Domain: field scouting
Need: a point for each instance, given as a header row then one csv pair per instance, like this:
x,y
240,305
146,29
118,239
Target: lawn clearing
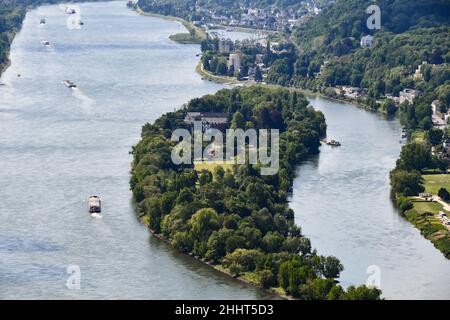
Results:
x,y
433,182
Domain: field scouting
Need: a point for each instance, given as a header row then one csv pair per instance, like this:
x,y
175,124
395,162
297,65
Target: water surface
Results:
x,y
58,146
342,202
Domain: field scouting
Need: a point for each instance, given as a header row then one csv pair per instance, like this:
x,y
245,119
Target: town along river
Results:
x,y
59,145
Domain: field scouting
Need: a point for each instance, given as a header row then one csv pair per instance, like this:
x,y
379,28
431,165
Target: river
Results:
x,y
342,202
58,146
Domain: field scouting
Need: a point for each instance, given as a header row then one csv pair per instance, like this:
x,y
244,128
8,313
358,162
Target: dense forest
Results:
x,y
235,218
411,32
11,16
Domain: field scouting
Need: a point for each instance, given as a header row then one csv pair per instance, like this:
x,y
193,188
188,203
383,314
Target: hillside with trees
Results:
x,y
235,218
11,16
411,32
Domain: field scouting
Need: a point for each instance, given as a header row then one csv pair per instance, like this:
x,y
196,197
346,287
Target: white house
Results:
x,y
235,61
408,95
367,41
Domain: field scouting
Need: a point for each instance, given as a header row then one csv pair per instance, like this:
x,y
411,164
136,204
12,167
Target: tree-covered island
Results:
x,y
233,217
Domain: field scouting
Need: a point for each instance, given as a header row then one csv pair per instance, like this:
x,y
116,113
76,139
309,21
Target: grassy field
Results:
x,y
423,216
433,182
418,136
220,79
196,35
211,166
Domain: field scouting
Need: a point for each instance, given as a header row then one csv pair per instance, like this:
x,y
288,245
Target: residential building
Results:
x,y
367,41
408,95
235,61
209,120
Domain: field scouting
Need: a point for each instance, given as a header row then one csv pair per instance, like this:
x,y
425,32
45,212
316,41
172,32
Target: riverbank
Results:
x,y
7,63
425,213
277,293
195,36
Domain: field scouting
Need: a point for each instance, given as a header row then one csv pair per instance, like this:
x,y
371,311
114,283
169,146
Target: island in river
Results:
x,y
234,217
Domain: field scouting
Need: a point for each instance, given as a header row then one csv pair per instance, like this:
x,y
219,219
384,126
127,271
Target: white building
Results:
x,y
408,95
235,61
367,41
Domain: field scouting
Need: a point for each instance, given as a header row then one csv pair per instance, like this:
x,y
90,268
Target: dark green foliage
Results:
x,y
434,136
414,156
404,204
362,293
444,194
406,183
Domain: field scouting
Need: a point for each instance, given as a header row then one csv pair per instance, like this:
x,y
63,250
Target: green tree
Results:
x,y
263,220
272,241
406,183
434,136
362,293
238,121
205,177
317,289
444,194
328,267
414,156
247,259
182,241
389,106
203,223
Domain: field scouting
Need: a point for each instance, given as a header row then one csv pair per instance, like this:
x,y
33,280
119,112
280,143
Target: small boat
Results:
x,y
95,204
42,21
69,84
334,143
45,43
70,10
79,22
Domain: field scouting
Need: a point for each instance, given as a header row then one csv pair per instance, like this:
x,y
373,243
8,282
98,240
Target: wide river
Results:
x,y
58,146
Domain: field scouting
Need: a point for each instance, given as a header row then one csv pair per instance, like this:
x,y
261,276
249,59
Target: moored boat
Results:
x,y
334,143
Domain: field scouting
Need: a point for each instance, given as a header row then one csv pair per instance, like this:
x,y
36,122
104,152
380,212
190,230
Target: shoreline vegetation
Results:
x,y
234,81
195,35
208,213
144,220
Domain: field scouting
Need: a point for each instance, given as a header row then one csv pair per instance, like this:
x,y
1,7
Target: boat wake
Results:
x,y
86,102
96,216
